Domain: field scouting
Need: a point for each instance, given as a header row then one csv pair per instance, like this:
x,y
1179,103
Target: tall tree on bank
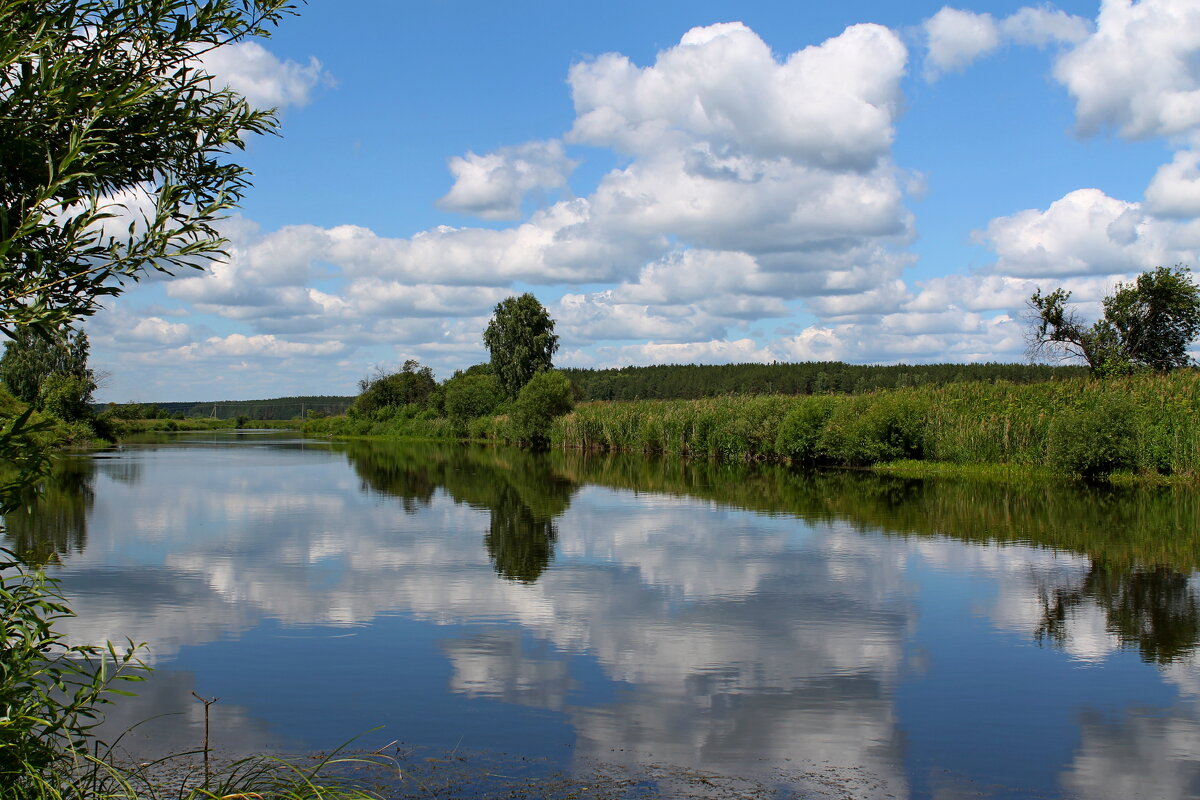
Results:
x,y
521,340
1147,324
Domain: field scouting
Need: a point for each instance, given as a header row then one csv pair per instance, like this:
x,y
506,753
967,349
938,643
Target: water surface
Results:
x,y
816,633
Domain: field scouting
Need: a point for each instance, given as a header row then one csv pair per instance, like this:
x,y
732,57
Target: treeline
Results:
x,y
693,381
275,408
661,382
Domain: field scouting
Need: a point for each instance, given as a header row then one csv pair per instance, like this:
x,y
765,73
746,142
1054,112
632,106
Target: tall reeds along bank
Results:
x,y
1147,424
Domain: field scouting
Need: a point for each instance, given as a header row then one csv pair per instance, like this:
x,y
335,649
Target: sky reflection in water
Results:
x,y
916,639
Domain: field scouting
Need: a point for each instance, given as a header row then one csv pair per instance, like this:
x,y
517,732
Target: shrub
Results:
x,y
547,395
880,427
472,395
800,431
1095,440
66,396
413,384
51,691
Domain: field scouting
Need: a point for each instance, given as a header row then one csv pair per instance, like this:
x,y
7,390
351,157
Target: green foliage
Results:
x,y
1147,324
32,361
67,397
136,411
115,161
873,428
1095,440
386,392
546,396
959,423
116,146
1156,317
520,338
50,691
799,438
472,395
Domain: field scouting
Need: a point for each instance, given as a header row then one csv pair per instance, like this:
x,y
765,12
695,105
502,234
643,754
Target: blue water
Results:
x,y
494,602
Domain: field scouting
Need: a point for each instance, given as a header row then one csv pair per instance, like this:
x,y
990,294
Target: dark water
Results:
x,y
826,635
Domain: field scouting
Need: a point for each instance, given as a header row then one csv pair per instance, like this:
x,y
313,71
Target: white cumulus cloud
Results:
x,y
261,77
831,104
1086,232
493,185
1140,71
1175,189
955,38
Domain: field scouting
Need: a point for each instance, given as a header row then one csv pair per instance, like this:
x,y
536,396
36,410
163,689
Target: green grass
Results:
x,y
91,777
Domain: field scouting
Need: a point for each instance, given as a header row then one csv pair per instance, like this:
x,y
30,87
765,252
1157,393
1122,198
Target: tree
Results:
x,y
412,385
36,367
1147,324
521,340
115,145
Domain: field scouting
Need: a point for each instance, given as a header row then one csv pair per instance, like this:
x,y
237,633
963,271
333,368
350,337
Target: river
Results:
x,y
681,629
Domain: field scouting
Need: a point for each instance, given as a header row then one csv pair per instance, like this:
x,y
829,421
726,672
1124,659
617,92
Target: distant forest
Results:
x,y
665,382
276,408
691,381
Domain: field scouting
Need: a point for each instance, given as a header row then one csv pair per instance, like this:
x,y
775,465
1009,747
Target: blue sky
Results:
x,y
874,182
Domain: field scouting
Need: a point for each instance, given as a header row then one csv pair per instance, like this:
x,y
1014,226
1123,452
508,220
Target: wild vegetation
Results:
x,y
693,381
276,408
1143,424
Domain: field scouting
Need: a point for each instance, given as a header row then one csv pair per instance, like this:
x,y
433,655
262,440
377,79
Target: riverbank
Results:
x,y
1138,429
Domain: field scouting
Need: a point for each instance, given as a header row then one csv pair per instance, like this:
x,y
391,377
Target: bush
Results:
x,y
67,397
874,428
1096,440
412,385
472,395
800,432
547,395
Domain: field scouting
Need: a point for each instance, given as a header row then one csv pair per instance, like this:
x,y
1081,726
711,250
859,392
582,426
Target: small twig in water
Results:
x,y
207,703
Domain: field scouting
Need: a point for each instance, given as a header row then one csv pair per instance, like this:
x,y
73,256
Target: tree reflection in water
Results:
x,y
519,543
1152,608
521,491
56,523
1143,544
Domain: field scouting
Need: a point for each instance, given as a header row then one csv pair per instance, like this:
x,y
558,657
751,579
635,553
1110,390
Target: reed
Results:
x,y
1146,424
